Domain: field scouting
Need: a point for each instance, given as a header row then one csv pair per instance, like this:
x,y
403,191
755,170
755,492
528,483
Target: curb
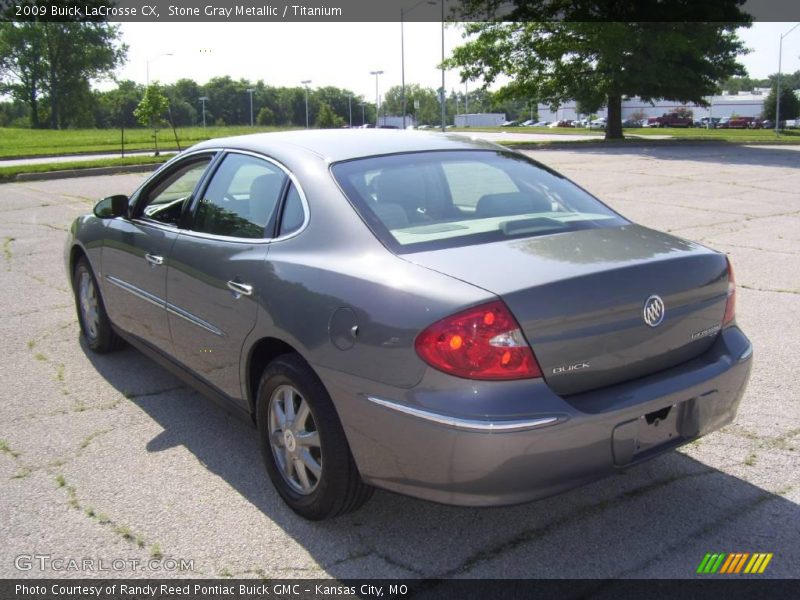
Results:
x,y
88,172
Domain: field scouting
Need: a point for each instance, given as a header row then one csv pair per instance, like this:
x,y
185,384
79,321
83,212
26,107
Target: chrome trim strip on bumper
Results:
x,y
139,293
468,424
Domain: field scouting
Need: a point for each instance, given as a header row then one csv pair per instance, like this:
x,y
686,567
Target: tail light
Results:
x,y
730,306
483,342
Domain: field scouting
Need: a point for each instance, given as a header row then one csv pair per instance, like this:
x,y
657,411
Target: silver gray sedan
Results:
x,y
435,316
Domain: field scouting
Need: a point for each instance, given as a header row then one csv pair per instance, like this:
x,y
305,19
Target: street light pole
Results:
x,y
377,97
778,86
305,84
443,96
203,99
403,67
363,118
250,91
350,108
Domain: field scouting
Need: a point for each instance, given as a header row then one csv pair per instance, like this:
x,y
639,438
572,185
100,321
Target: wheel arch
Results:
x,y
261,353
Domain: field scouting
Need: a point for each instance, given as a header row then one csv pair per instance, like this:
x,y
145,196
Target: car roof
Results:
x,y
335,145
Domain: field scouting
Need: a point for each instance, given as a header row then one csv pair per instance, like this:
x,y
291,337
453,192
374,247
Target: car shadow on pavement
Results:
x,y
655,521
781,156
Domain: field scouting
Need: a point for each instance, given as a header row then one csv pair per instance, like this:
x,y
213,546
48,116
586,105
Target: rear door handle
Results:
x,y
154,260
240,289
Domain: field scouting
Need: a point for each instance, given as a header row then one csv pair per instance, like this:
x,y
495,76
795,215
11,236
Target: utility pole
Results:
x,y
377,97
305,83
250,91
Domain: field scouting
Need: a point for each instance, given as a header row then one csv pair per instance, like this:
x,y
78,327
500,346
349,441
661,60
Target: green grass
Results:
x,y
45,142
735,136
9,173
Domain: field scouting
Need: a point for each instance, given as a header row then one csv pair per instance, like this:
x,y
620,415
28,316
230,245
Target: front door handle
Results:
x,y
240,289
154,260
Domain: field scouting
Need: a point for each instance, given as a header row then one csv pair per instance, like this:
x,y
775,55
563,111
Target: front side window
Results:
x,y
165,201
430,200
241,199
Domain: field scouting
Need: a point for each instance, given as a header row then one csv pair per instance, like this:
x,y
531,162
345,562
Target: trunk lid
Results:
x,y
580,299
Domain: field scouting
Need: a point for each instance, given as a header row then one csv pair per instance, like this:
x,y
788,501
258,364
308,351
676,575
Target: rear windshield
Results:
x,y
430,200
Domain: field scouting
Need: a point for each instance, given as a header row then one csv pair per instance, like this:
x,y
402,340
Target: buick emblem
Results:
x,y
653,311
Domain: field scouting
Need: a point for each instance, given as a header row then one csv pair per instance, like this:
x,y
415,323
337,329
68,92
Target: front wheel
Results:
x,y
94,322
303,444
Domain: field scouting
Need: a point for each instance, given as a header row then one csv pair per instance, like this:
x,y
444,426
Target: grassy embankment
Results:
x,y
19,143
731,136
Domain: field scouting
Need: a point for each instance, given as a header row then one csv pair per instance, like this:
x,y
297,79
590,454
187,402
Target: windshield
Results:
x,y
430,200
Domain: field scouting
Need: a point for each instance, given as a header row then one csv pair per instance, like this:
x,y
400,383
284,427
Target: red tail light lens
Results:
x,y
484,342
730,307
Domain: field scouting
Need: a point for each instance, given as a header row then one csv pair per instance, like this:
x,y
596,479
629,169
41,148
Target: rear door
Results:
x,y
137,248
217,271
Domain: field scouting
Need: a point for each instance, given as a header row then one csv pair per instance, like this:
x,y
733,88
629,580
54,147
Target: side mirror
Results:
x,y
111,207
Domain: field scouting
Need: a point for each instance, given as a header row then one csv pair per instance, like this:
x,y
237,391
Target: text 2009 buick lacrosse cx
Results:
x,y
435,316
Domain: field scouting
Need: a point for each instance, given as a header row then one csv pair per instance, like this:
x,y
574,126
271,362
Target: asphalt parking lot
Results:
x,y
113,458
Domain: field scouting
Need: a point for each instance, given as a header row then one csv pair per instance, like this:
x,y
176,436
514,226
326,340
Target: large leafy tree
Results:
x,y
598,51
55,62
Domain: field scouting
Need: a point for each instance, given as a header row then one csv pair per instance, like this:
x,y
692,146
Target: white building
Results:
x,y
480,120
743,104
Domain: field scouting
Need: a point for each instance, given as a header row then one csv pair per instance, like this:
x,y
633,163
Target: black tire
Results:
x,y
95,324
338,489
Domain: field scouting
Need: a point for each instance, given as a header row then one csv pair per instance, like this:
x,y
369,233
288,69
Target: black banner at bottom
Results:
x,y
391,589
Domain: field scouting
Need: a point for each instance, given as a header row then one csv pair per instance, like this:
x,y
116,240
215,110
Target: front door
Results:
x,y
137,249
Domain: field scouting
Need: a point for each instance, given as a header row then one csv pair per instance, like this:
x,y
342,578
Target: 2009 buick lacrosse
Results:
x,y
436,316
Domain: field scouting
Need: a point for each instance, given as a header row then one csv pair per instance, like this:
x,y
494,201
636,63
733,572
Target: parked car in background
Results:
x,y
632,123
707,122
598,123
742,123
425,313
723,123
670,120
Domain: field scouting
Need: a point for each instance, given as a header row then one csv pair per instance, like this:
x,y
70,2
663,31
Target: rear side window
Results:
x,y
293,214
241,199
430,200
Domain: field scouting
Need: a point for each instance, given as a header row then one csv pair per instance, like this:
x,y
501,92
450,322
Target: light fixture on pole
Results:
x,y
153,59
204,99
250,91
377,97
778,86
305,83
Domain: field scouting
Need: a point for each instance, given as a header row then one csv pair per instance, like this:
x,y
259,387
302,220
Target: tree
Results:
x,y
22,72
597,63
150,111
57,61
790,104
326,118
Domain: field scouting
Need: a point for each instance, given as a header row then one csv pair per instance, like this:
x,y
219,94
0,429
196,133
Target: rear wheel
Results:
x,y
303,444
94,322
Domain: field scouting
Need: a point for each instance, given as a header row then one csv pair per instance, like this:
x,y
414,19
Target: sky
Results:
x,y
343,54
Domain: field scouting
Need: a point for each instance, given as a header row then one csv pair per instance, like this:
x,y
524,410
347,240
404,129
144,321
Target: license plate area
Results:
x,y
648,434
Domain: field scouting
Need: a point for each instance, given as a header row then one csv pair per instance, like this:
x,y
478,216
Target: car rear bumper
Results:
x,y
535,443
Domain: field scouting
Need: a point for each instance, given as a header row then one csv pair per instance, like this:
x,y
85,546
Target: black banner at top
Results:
x,y
239,11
